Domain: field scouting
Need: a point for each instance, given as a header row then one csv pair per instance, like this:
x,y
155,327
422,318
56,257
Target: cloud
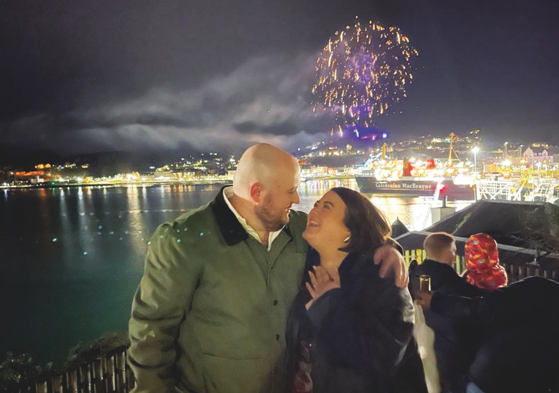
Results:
x,y
265,99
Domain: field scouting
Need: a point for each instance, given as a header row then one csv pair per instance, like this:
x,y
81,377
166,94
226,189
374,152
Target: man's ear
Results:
x,y
257,192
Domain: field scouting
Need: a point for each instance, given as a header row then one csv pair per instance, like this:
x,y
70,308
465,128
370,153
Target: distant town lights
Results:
x,y
475,150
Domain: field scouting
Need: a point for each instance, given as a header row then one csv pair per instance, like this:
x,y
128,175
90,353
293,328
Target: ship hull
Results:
x,y
414,188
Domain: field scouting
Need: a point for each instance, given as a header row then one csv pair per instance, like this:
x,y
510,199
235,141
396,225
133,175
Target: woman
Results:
x,y
350,330
482,263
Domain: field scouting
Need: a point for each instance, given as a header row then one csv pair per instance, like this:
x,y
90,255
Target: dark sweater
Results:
x,y
456,341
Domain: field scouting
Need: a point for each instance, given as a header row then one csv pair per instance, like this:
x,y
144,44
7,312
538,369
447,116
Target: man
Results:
x,y
455,342
211,311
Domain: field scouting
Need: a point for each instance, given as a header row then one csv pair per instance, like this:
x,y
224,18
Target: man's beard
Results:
x,y
272,222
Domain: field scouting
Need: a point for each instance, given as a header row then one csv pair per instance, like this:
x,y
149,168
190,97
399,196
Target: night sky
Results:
x,y
83,76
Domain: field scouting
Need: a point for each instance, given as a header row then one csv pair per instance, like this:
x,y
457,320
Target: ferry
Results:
x,y
427,179
415,187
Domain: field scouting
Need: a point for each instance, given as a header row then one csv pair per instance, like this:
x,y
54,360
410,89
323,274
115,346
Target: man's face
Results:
x,y
274,211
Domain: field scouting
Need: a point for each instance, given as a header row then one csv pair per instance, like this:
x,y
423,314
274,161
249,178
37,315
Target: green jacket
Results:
x,y
210,313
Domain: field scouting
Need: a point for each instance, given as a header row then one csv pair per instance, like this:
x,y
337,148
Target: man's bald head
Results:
x,y
264,164
265,186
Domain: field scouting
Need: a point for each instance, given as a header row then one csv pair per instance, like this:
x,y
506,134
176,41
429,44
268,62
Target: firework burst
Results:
x,y
362,72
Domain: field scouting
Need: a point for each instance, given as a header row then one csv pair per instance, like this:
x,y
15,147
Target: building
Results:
x,y
540,154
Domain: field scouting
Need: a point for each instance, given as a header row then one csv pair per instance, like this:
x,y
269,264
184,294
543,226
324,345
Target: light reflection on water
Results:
x,y
71,258
415,213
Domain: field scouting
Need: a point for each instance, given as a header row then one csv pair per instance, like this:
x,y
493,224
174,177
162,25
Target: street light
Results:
x,y
475,150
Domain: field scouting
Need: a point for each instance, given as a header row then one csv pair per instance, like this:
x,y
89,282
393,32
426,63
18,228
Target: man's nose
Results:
x,y
296,198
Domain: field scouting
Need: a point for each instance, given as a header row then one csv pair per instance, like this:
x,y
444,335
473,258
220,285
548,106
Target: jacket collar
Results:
x,y
433,265
351,261
355,259
230,227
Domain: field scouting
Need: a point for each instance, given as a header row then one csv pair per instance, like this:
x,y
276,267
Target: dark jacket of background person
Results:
x,y
456,341
520,348
361,333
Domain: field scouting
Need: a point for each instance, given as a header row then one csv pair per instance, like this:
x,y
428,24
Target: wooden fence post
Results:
x,y
521,272
41,387
85,378
120,369
110,374
419,255
58,384
98,377
72,379
513,272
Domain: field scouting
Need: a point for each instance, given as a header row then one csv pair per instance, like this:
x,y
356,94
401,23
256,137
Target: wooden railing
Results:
x,y
515,271
107,374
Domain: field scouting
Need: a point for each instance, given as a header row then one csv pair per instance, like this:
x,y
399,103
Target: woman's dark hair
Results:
x,y
367,224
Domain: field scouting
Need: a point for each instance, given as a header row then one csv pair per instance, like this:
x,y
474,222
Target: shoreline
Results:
x,y
114,185
152,184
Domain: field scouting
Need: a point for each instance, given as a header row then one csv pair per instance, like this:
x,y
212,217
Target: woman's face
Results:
x,y
325,223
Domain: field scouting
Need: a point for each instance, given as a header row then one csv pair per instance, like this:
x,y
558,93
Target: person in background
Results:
x,y
482,263
456,341
519,352
349,329
210,313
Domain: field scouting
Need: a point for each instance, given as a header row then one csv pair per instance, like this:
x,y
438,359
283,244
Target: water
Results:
x,y
71,258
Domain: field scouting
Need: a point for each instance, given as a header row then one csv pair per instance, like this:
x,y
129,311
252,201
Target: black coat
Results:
x,y
520,348
361,333
456,341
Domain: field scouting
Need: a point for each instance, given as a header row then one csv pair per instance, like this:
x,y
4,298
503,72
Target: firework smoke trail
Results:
x,y
361,73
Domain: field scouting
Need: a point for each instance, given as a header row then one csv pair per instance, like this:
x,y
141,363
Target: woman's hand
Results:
x,y
322,280
424,298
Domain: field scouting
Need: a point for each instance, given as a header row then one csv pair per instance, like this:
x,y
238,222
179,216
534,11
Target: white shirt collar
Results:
x,y
228,193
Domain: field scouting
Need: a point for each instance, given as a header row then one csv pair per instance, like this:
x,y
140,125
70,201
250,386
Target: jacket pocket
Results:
x,y
226,375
